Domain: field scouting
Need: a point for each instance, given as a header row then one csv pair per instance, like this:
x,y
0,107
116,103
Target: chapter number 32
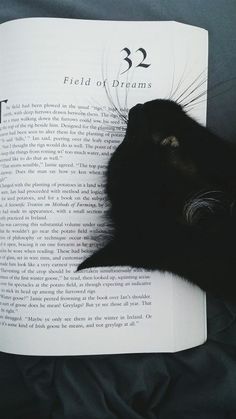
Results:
x,y
129,61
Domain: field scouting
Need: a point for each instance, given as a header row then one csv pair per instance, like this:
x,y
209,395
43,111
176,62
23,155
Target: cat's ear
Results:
x,y
109,255
169,141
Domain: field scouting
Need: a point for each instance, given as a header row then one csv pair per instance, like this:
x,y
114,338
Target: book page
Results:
x,y
63,95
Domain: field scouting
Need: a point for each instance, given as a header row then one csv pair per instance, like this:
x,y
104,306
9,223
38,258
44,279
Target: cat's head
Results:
x,y
170,165
168,170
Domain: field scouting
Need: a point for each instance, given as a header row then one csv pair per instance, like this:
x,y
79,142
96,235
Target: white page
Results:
x,y
53,144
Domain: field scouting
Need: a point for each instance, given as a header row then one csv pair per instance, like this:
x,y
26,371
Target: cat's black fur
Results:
x,y
172,188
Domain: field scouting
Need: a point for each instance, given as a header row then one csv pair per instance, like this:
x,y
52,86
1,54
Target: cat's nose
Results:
x,y
137,128
136,111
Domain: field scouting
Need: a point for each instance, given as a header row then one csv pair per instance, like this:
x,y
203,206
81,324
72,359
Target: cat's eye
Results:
x,y
170,141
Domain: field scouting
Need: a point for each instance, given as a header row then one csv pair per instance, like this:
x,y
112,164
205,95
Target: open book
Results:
x,y
63,85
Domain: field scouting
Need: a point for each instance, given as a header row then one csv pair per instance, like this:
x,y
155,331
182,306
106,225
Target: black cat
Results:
x,y
172,188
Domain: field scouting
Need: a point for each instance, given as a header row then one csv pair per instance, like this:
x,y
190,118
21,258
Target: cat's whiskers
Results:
x,y
172,93
200,203
197,79
195,101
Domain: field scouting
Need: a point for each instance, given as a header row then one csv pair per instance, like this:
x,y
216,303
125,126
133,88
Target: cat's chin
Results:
x,y
110,255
